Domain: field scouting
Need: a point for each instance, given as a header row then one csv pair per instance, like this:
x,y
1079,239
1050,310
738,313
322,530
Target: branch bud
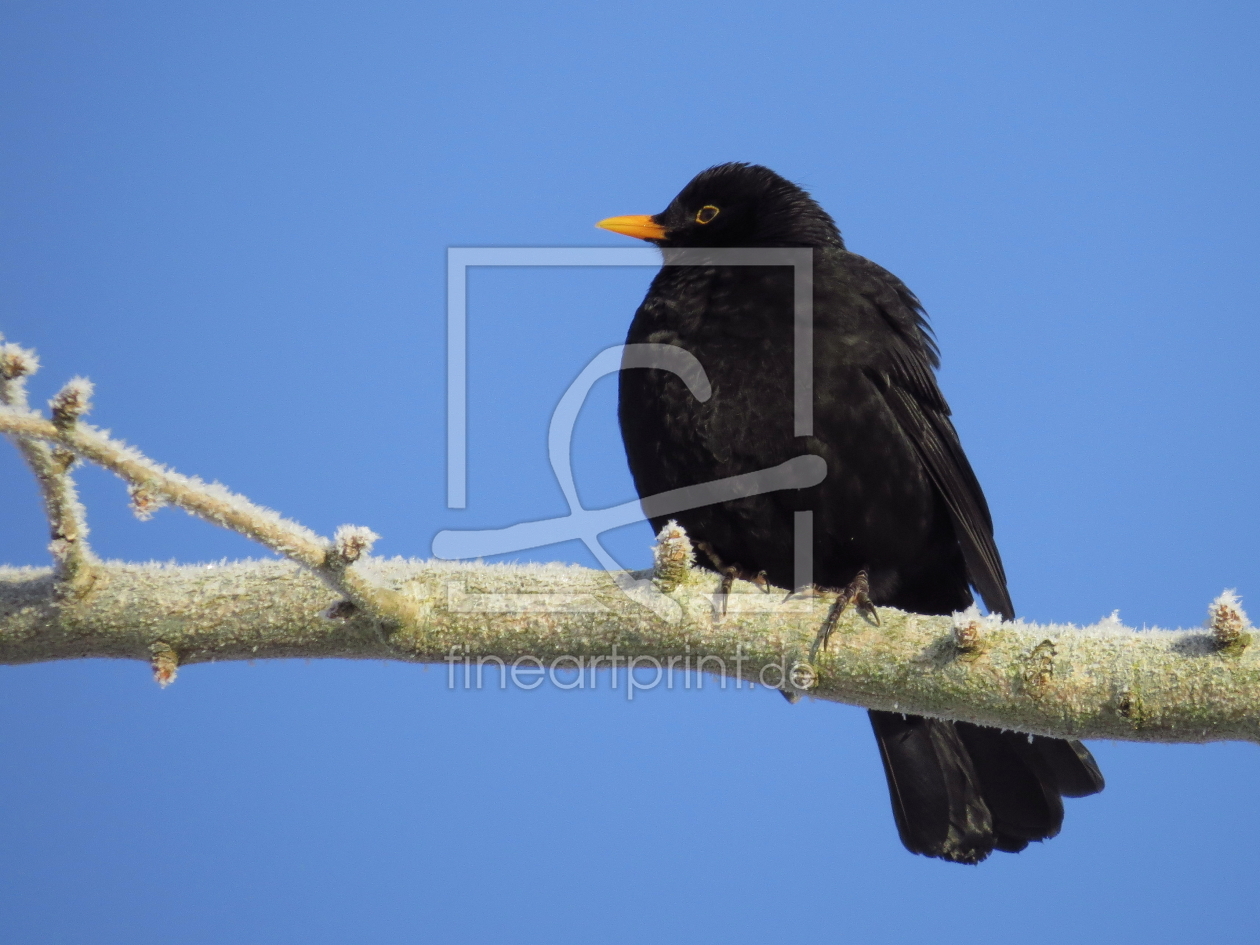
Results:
x,y
353,541
17,362
165,663
672,557
71,402
969,631
1228,623
144,502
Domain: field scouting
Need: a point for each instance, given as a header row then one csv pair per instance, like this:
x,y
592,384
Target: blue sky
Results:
x,y
234,218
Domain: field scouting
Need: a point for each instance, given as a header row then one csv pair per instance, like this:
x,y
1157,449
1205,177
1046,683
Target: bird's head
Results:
x,y
735,205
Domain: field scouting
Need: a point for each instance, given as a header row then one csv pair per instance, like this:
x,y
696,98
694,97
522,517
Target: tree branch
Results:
x,y
51,467
333,599
1104,681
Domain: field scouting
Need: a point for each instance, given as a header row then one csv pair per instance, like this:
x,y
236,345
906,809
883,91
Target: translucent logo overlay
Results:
x,y
587,525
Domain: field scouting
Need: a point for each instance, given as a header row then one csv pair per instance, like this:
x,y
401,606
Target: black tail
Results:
x,y
960,791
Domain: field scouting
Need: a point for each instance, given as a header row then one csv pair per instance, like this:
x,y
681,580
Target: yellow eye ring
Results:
x,y
707,213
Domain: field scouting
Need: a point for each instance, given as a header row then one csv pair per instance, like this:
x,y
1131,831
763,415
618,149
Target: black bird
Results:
x,y
899,520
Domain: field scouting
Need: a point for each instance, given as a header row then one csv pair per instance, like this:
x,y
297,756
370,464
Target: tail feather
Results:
x,y
1075,770
935,797
960,791
1016,784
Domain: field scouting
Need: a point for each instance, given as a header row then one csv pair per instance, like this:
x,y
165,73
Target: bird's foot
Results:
x,y
724,591
858,594
761,582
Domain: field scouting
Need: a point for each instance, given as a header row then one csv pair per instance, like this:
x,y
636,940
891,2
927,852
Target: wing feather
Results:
x,y
905,376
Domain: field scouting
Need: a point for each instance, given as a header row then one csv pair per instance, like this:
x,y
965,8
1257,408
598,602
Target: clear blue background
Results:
x,y
234,217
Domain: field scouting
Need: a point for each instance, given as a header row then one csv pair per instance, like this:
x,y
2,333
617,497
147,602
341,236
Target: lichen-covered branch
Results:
x,y
333,599
1104,681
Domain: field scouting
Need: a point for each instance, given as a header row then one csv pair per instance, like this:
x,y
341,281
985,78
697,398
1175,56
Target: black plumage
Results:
x,y
899,501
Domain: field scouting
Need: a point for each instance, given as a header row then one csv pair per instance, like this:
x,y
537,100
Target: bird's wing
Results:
x,y
904,374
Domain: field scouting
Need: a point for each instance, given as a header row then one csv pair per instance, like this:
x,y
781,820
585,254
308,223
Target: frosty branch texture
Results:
x,y
332,598
51,467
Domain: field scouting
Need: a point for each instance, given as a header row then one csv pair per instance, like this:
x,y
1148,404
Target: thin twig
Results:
x,y
215,503
67,519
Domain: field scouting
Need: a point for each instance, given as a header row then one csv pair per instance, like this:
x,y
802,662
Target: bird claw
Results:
x,y
858,594
761,582
724,591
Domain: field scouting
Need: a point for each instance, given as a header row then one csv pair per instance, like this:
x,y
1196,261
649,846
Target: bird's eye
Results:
x,y
707,213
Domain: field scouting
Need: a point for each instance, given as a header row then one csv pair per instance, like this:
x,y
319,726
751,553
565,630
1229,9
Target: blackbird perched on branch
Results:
x,y
899,520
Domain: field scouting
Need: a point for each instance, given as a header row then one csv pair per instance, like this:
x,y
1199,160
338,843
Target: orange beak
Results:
x,y
640,227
